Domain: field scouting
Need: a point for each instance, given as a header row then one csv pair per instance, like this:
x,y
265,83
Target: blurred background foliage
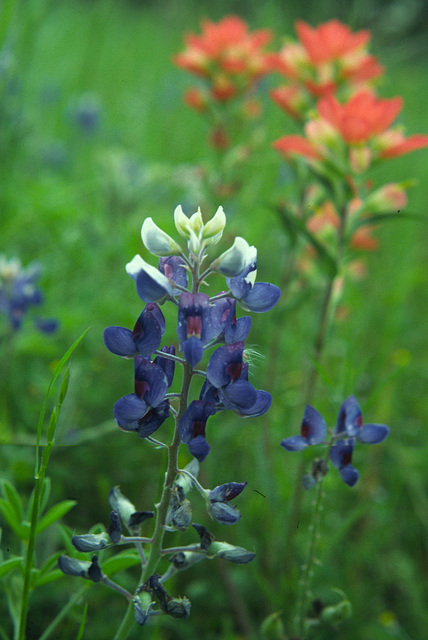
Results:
x,y
95,137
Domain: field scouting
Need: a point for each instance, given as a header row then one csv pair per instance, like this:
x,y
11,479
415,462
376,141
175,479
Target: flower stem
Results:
x,y
305,592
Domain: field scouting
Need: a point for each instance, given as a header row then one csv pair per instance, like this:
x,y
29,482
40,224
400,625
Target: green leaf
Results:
x,y
9,565
14,499
15,524
41,580
82,623
120,562
379,218
54,514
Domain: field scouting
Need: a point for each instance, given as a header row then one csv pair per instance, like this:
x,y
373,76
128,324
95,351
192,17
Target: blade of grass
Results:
x,y
39,475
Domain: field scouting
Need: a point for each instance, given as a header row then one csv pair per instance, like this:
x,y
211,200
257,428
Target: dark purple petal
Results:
x,y
149,329
224,513
239,394
167,365
193,421
199,448
151,289
119,341
226,492
261,405
193,350
373,433
241,285
314,428
194,318
349,419
150,381
209,393
349,475
341,453
48,325
294,443
219,313
128,410
173,268
241,331
262,297
225,364
153,420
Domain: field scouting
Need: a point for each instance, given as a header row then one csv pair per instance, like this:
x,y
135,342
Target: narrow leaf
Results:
x,y
54,514
13,497
9,565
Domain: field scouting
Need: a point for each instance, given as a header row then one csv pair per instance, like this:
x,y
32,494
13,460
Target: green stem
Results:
x,y
305,592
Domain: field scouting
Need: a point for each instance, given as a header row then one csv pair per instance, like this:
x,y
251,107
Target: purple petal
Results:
x,y
150,381
240,394
193,350
349,475
225,364
373,433
243,326
129,409
241,285
153,420
119,341
193,421
173,268
226,492
149,329
48,325
341,453
262,297
261,405
314,428
194,317
349,418
224,513
199,448
294,443
167,365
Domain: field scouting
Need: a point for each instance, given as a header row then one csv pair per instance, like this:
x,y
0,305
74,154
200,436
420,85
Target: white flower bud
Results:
x,y
213,230
232,262
182,222
157,241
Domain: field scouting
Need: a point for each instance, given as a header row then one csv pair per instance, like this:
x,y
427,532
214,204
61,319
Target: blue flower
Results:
x,y
145,410
152,285
313,431
143,340
192,427
341,457
227,372
258,297
219,499
194,327
226,327
350,423
19,292
173,268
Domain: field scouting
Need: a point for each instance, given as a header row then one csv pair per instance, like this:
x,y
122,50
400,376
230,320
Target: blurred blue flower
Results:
x,y
313,431
86,112
19,292
341,457
350,423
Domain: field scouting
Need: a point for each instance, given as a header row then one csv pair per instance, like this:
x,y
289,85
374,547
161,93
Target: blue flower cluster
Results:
x,y
19,292
203,322
349,428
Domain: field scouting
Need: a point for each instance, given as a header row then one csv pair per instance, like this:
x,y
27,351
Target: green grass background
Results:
x,y
65,204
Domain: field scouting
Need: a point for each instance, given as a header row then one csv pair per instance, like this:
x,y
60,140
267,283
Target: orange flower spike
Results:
x,y
293,144
362,117
330,40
